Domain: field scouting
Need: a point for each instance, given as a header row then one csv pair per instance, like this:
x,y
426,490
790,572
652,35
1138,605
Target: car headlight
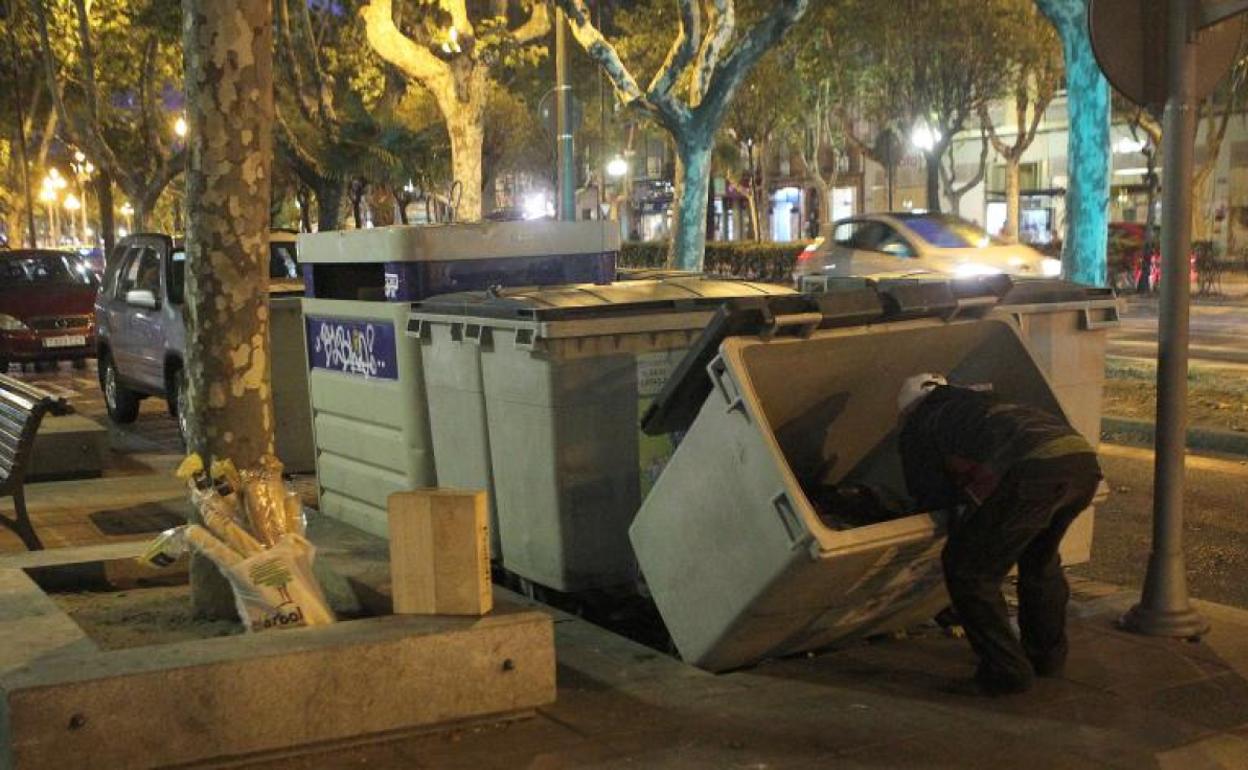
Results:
x,y
10,324
969,269
1050,267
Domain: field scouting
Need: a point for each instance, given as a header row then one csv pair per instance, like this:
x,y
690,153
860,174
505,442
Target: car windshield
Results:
x,y
24,269
947,232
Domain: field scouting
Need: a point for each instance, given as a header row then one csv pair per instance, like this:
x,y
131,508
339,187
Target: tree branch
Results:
x,y
608,58
536,28
287,54
723,25
732,70
683,47
325,97
412,59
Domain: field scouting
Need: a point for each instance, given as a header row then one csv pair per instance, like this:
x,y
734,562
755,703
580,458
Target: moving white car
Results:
x,y
906,243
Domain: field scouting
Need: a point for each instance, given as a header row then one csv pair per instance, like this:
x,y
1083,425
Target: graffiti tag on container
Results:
x,y
352,347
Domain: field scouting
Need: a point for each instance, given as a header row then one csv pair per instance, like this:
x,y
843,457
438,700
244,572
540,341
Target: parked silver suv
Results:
x,y
138,316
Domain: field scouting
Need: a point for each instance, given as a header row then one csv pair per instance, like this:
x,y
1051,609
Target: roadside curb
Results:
x,y
1209,439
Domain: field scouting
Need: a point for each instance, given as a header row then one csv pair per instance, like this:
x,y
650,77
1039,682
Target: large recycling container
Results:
x,y
369,413
1065,326
536,394
738,560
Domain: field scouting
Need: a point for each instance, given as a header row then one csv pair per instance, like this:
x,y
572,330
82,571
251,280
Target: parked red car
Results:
x,y
47,301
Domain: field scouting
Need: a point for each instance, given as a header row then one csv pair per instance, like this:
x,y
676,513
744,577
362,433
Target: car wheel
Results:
x,y
121,402
179,405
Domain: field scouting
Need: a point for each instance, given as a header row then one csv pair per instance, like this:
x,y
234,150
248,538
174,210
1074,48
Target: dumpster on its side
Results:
x,y
1065,326
536,395
369,413
739,560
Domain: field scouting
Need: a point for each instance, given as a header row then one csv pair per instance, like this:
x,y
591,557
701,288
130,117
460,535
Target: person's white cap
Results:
x,y
916,388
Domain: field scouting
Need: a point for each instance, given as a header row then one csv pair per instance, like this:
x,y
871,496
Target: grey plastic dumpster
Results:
x,y
1065,327
741,565
536,395
369,413
292,411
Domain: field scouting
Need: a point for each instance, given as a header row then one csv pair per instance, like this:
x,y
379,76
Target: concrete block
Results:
x,y
234,696
70,446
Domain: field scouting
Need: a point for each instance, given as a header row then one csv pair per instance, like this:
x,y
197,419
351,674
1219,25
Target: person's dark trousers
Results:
x,y
1021,523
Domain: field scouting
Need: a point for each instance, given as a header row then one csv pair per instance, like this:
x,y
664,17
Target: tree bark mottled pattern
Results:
x,y
229,110
1087,151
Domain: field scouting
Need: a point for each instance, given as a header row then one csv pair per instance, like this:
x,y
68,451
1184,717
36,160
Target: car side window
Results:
x,y
141,273
125,272
177,276
894,245
868,236
843,232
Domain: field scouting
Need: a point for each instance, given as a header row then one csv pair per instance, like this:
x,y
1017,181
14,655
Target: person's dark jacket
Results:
x,y
956,444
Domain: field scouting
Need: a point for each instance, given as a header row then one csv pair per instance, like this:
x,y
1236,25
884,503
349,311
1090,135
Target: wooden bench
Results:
x,y
22,408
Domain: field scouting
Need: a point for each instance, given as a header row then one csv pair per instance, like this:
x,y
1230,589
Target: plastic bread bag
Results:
x,y
264,493
276,588
273,588
171,544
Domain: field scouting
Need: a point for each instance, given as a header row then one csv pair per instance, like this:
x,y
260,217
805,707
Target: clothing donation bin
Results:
x,y
536,395
741,562
369,414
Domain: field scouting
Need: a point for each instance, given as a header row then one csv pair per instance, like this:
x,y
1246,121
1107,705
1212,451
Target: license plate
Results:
x,y
68,341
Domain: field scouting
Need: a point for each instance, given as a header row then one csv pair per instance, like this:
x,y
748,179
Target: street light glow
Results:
x,y
72,203
179,127
924,137
617,167
47,194
127,209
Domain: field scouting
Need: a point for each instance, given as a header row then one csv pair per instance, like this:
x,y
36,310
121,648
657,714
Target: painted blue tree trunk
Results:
x,y
693,173
1088,147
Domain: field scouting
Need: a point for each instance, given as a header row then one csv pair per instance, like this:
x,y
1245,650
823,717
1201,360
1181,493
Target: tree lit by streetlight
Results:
x,y
179,127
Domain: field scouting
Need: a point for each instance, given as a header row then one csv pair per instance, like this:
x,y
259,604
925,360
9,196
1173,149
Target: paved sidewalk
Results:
x,y
1126,702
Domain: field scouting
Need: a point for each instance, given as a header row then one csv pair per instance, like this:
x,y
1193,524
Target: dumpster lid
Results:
x,y
458,241
872,301
683,393
572,302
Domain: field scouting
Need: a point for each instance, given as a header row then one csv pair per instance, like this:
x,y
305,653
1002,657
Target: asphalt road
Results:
x,y
1219,334
1216,535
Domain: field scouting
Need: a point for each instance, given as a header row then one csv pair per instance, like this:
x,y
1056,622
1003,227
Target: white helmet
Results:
x,y
915,388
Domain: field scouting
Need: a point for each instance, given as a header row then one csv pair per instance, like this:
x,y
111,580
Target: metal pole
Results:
x,y
1164,609
566,206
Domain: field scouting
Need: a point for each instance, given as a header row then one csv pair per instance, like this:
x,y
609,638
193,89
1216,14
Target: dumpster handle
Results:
x,y
969,303
789,519
477,333
416,327
457,331
718,374
1109,320
807,323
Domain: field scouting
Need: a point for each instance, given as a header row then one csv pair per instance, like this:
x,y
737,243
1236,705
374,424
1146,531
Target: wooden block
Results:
x,y
440,552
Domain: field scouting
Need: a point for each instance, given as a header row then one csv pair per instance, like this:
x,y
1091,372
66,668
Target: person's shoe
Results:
x,y
1049,667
